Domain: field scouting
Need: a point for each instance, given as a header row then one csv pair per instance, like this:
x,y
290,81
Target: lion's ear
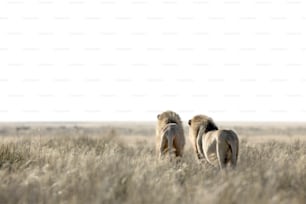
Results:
x,y
189,122
158,116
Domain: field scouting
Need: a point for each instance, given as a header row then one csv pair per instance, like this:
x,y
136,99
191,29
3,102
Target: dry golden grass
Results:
x,y
110,168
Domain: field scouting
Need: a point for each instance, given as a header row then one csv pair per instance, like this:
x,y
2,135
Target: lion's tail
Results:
x,y
169,133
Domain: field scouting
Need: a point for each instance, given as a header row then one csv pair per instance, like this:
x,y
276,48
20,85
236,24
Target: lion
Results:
x,y
169,134
218,147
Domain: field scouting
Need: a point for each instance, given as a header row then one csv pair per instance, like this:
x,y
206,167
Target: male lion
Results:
x,y
169,134
219,147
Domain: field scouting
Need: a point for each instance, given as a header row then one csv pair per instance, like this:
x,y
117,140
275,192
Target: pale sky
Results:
x,y
130,60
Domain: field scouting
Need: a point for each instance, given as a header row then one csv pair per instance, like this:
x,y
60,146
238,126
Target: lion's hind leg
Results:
x,y
222,151
234,154
178,148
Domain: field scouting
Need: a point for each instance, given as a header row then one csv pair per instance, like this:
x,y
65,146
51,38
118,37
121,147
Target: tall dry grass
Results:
x,y
106,169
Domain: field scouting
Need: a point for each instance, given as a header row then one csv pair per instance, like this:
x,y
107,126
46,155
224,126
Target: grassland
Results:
x,y
117,164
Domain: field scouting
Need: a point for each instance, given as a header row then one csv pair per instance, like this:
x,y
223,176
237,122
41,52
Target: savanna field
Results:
x,y
107,163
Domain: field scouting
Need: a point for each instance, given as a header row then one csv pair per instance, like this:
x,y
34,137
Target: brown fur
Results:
x,y
218,147
169,134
